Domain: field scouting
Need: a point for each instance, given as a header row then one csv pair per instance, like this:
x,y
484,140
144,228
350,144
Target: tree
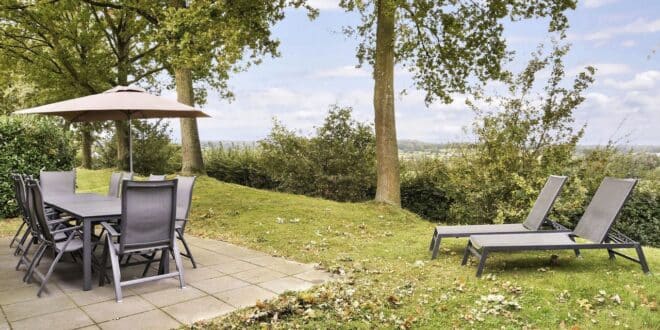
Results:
x,y
68,49
445,44
528,135
203,42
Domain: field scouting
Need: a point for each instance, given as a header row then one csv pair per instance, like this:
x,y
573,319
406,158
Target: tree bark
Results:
x,y
387,151
121,126
191,160
86,142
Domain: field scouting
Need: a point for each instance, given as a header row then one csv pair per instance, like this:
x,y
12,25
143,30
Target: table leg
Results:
x,y
87,255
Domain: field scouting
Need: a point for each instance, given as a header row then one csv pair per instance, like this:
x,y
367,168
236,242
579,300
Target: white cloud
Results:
x,y
643,80
324,4
639,26
597,3
346,71
602,69
629,43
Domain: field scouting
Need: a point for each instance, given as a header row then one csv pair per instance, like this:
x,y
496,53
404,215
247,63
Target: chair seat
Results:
x,y
467,230
522,240
75,244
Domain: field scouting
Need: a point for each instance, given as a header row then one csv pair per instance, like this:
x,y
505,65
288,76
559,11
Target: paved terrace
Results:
x,y
228,277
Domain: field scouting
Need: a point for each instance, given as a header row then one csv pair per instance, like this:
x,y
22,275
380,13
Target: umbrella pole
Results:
x,y
130,144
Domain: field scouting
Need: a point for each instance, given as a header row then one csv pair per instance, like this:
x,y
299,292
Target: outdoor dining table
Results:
x,y
89,209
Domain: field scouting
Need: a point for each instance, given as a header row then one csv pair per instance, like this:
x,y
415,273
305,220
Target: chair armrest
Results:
x,y
66,229
60,220
555,225
111,231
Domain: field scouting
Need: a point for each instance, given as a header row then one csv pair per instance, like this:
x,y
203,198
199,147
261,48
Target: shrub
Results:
x,y
153,151
28,145
422,188
338,163
237,164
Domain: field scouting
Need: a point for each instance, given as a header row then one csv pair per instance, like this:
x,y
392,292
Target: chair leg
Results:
x,y
149,261
50,272
611,254
185,246
466,254
435,232
35,262
21,243
482,262
13,240
104,265
116,274
436,247
179,264
642,260
577,253
24,254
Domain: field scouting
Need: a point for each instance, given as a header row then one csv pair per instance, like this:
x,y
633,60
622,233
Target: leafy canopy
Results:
x,y
444,43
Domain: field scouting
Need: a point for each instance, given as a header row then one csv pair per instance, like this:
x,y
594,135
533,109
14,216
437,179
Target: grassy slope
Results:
x,y
384,251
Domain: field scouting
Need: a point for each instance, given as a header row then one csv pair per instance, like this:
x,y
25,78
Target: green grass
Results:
x,y
390,280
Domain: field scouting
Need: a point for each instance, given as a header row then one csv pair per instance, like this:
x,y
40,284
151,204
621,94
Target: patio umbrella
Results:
x,y
119,103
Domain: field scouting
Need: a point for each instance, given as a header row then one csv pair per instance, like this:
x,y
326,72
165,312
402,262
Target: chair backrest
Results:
x,y
38,220
57,183
148,215
604,208
544,202
127,175
154,177
21,195
115,184
184,196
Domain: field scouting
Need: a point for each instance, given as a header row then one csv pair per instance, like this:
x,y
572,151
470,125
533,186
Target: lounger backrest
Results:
x,y
604,208
544,202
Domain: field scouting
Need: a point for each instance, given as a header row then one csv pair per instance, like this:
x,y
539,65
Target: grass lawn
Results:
x,y
390,280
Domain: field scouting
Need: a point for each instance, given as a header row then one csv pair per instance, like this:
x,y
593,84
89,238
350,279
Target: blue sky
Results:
x,y
317,69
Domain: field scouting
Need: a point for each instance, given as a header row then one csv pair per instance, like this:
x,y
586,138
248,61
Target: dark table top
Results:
x,y
86,205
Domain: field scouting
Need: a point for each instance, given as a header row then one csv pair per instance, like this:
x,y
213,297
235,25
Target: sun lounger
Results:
x,y
594,227
536,219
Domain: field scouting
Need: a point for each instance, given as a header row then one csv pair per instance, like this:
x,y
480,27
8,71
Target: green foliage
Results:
x,y
640,218
528,138
237,164
153,151
28,145
445,43
423,190
338,163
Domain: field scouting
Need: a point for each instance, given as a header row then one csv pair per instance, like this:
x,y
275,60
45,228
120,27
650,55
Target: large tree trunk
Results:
x,y
191,160
86,142
387,151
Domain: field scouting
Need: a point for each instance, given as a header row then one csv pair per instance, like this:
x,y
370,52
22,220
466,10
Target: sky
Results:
x,y
317,68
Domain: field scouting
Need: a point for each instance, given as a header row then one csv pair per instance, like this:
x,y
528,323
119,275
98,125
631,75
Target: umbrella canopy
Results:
x,y
119,103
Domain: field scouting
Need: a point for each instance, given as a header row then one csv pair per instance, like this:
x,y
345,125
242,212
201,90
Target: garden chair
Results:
x,y
183,205
57,183
147,225
594,227
154,177
536,219
115,184
48,237
19,194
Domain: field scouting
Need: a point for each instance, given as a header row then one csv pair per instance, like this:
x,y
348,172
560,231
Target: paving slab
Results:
x,y
68,319
245,296
155,319
198,309
228,277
